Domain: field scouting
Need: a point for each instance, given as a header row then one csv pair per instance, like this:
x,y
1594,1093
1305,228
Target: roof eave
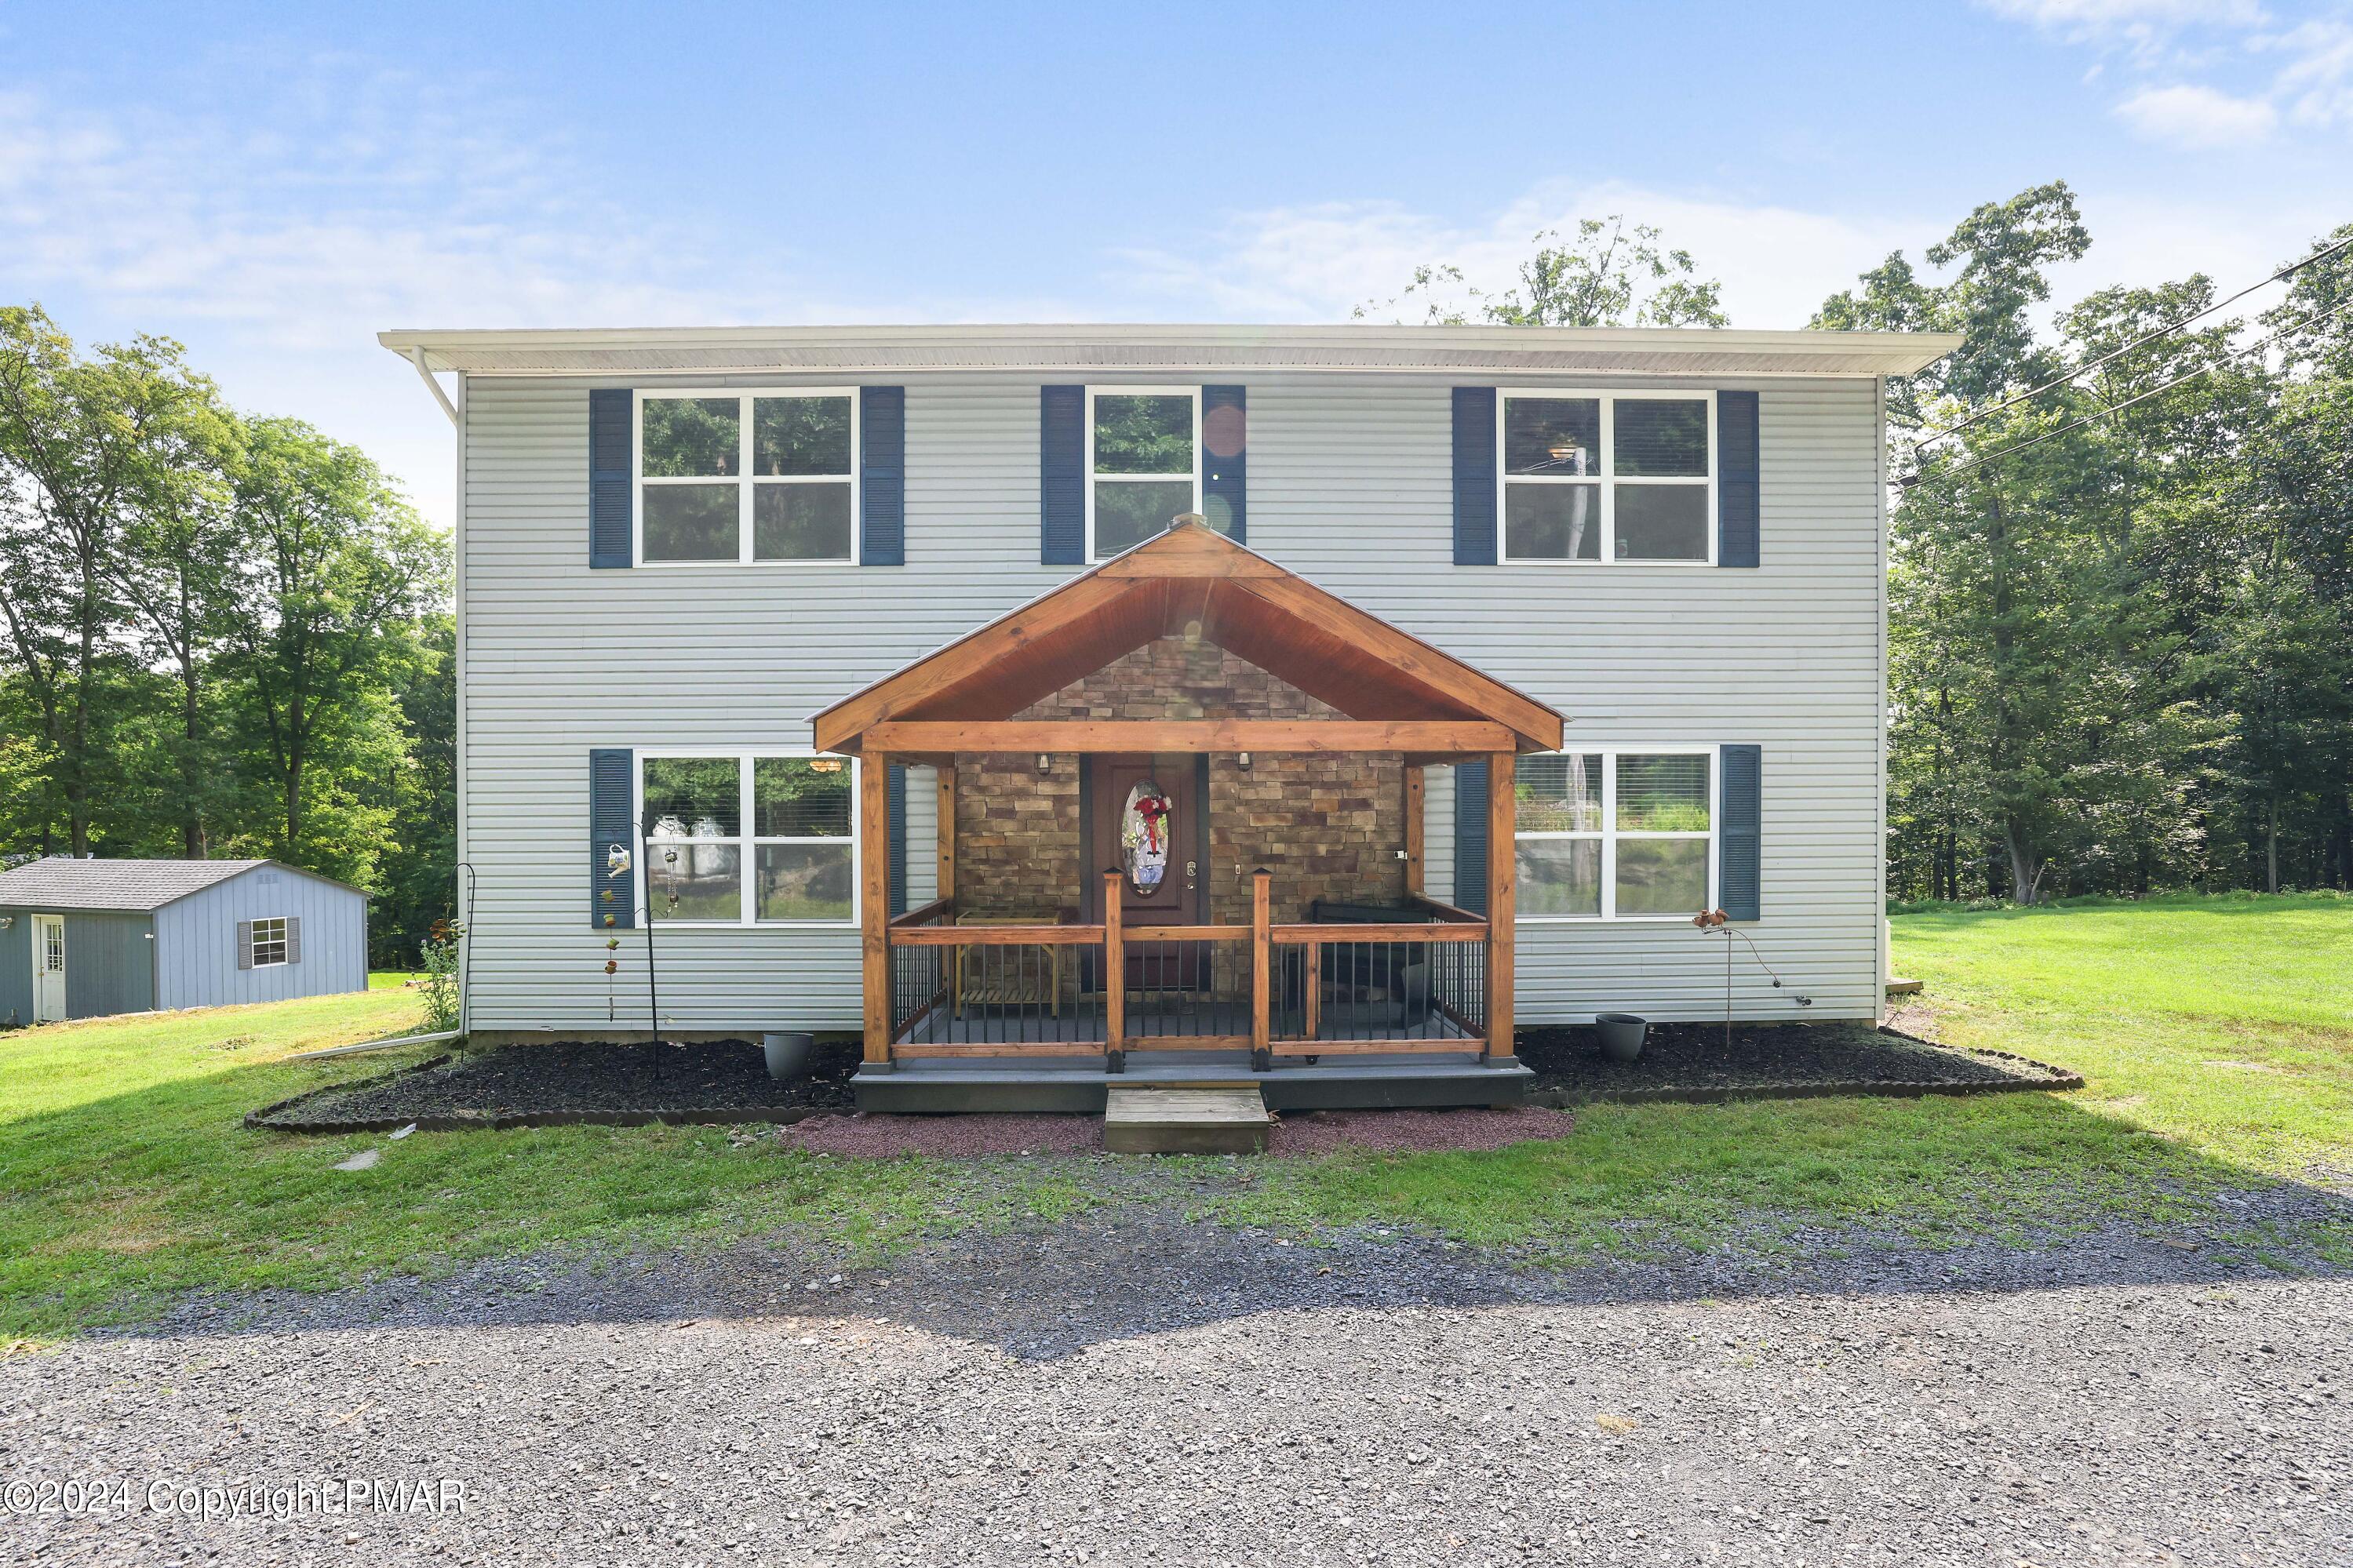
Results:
x,y
1079,348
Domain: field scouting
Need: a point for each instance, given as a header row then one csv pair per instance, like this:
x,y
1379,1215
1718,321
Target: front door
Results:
x,y
1145,821
48,969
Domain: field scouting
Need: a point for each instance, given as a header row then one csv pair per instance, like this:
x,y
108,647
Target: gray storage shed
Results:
x,y
82,939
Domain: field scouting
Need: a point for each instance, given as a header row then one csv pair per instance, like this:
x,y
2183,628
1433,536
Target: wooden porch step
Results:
x,y
1192,1119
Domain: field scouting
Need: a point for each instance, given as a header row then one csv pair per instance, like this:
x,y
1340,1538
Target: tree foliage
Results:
x,y
2116,660
223,635
1608,276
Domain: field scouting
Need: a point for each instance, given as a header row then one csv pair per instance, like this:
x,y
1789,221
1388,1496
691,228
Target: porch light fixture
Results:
x,y
1045,763
1241,759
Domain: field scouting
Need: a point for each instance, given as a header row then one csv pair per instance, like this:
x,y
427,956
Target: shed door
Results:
x,y
48,969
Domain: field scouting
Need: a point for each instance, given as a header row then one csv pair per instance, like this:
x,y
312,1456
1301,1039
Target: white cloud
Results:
x,y
1317,262
348,201
2210,73
2191,116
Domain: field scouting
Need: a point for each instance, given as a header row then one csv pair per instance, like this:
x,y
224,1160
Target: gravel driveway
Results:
x,y
1153,1391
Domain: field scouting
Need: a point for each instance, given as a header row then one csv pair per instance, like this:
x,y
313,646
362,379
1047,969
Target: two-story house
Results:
x,y
1301,704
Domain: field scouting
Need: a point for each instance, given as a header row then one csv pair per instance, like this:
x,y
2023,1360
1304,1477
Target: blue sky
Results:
x,y
273,184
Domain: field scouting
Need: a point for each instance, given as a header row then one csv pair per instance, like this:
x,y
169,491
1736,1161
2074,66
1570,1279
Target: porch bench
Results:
x,y
1383,982
1022,987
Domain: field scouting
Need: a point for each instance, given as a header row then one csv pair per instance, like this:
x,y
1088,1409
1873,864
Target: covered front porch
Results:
x,y
1180,803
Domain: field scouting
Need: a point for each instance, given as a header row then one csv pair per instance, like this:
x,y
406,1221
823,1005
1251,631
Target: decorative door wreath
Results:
x,y
1144,835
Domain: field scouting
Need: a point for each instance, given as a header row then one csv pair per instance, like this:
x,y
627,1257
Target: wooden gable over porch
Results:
x,y
1396,693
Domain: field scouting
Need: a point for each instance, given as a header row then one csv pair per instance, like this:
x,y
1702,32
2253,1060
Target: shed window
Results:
x,y
1144,463
765,474
1607,477
269,939
745,839
1616,835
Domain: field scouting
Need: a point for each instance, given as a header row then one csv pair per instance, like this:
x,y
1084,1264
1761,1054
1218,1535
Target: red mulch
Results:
x,y
864,1137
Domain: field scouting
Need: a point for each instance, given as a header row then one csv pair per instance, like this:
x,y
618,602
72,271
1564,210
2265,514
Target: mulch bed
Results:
x,y
628,1085
555,1085
884,1137
1775,1061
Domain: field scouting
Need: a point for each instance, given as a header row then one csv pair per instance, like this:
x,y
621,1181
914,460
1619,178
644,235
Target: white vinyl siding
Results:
x,y
1351,486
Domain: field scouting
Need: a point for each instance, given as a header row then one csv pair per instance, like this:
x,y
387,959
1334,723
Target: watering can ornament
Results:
x,y
616,860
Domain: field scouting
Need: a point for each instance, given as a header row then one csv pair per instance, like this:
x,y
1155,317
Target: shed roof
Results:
x,y
62,882
1183,348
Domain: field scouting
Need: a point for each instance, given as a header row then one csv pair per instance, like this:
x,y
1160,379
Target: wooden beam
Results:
x,y
1188,933
1322,737
1313,998
1115,977
1191,552
1537,724
839,727
995,936
1375,1048
1262,962
1414,786
1398,932
1502,890
947,833
874,902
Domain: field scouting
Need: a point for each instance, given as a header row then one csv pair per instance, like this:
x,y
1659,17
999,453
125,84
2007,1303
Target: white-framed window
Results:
x,y
738,838
1144,463
755,474
1607,477
269,939
1616,834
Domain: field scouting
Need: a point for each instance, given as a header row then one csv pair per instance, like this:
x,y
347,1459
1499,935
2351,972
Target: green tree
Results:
x,y
1609,275
92,450
320,615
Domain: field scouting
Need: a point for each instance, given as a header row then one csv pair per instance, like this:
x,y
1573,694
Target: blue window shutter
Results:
x,y
883,476
1471,846
1737,495
1225,461
611,413
1740,836
1062,476
1475,478
896,790
612,776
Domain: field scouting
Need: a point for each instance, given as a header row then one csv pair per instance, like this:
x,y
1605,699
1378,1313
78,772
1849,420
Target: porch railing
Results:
x,y
984,986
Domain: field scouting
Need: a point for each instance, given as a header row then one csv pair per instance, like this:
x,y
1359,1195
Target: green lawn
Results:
x,y
2216,1035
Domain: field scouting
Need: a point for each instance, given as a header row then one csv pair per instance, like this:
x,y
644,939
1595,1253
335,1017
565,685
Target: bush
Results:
x,y
445,1003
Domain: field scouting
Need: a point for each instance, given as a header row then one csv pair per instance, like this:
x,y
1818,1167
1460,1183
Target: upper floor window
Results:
x,y
1616,835
1608,477
1144,463
737,839
754,476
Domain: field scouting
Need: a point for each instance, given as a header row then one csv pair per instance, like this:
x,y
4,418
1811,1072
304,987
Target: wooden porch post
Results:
x,y
1503,886
874,903
1262,968
947,831
1416,782
1114,979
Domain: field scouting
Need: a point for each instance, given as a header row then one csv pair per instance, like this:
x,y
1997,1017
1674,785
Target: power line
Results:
x,y
2287,272
1913,479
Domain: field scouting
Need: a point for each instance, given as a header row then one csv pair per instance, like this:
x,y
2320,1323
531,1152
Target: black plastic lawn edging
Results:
x,y
276,1118
2055,1077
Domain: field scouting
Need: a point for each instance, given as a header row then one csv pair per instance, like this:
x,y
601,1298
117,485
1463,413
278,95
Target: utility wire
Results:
x,y
1913,479
2287,272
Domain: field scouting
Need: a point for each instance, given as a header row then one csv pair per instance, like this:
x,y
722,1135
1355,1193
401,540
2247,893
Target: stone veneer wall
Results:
x,y
1328,826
